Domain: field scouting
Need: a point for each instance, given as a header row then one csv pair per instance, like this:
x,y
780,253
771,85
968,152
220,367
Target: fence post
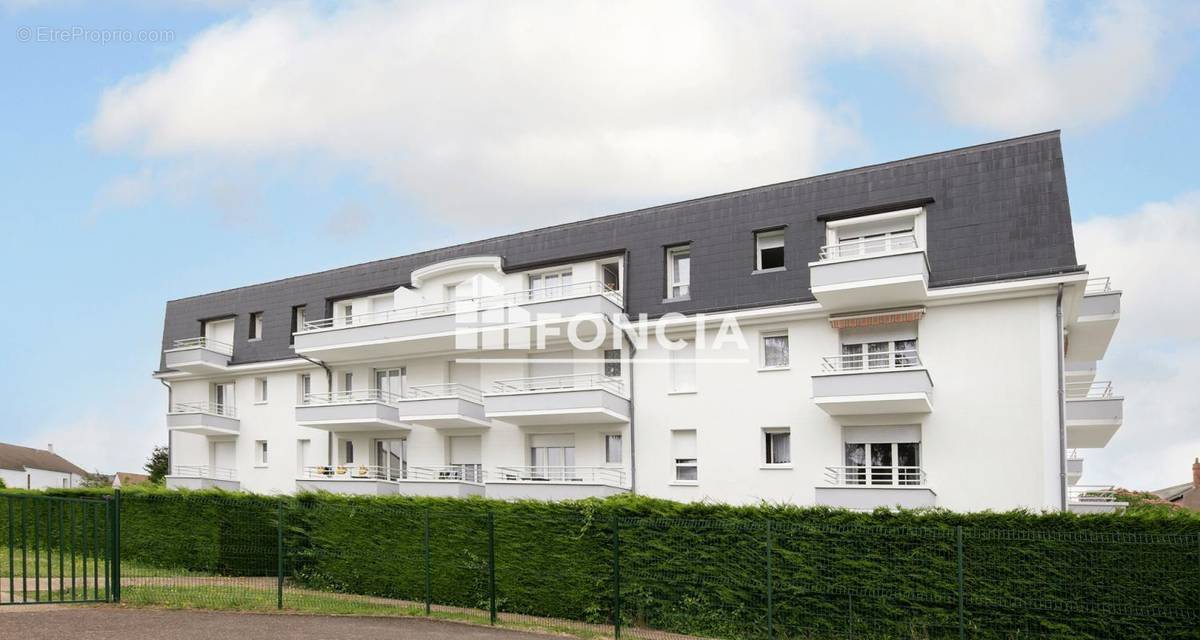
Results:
x,y
770,586
492,564
12,591
116,563
279,557
616,542
428,569
962,630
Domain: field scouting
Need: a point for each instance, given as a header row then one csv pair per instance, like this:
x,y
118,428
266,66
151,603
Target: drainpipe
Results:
x,y
1062,402
632,411
170,433
329,389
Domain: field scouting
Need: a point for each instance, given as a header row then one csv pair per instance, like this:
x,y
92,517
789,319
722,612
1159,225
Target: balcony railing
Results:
x,y
211,408
853,476
466,305
352,397
863,247
1098,390
204,343
204,471
612,476
1096,286
448,390
558,383
878,361
352,471
1092,494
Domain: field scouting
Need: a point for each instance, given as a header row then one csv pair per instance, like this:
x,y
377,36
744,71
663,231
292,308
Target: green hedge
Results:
x,y
702,568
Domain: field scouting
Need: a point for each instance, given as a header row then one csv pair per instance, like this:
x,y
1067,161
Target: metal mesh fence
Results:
x,y
575,571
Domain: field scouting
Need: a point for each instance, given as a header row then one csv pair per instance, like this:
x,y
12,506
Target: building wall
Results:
x,y
39,479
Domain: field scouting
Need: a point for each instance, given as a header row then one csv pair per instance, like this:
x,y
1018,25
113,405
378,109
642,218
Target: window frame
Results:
x,y
767,458
612,358
770,235
620,448
254,332
763,365
678,290
620,269
261,453
675,388
679,464
261,390
298,319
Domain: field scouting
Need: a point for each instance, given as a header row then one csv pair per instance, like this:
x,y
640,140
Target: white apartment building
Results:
x,y
915,333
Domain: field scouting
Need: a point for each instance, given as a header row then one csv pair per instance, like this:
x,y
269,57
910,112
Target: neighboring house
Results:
x,y
901,327
1185,495
129,479
28,468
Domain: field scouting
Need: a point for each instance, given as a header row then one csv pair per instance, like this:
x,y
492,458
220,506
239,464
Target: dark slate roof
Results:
x,y
995,211
17,458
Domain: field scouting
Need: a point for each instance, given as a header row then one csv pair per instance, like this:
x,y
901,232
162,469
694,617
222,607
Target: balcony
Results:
x,y
1093,499
1099,313
558,400
198,355
197,477
890,382
446,326
443,405
870,273
555,483
453,481
1074,468
866,488
204,418
1094,414
361,410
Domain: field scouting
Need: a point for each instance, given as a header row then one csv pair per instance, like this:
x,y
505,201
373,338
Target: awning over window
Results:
x,y
876,319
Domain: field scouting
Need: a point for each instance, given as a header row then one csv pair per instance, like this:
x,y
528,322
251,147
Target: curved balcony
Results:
x,y
359,410
454,324
204,418
870,273
443,405
590,398
890,382
198,355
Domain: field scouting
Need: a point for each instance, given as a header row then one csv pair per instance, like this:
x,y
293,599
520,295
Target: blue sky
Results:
x,y
263,140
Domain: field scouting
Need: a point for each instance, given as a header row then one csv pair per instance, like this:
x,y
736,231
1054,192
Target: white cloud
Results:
x,y
116,438
349,220
1154,360
549,110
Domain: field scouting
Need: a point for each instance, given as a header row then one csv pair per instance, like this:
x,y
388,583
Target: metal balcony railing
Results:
x,y
211,408
612,476
863,247
852,476
1098,390
558,383
1096,286
352,397
467,305
204,343
877,361
204,471
1092,494
353,471
447,390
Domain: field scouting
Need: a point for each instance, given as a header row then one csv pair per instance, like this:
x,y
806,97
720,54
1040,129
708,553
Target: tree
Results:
x,y
95,480
156,465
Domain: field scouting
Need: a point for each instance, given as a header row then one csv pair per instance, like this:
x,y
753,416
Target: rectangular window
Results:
x,y
683,451
883,463
260,452
348,381
610,275
679,271
777,446
769,246
612,449
349,452
256,325
303,455
297,322
612,363
683,369
775,351
543,286
880,354
260,389
303,388
552,456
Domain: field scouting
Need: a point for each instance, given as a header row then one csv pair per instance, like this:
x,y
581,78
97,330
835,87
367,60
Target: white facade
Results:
x,y
883,392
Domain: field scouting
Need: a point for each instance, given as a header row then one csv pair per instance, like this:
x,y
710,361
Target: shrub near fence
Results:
x,y
698,569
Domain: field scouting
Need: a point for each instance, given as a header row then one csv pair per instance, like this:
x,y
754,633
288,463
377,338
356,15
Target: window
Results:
x,y
549,285
874,234
303,388
392,458
880,354
610,275
297,322
390,382
612,449
260,390
679,272
683,451
348,381
612,363
683,369
349,449
888,455
552,456
223,397
777,446
775,351
260,453
344,311
256,325
303,455
769,246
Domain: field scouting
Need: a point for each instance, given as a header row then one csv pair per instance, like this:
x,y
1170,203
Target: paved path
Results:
x,y
52,622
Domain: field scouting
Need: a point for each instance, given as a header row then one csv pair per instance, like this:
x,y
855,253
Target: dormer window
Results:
x,y
878,234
